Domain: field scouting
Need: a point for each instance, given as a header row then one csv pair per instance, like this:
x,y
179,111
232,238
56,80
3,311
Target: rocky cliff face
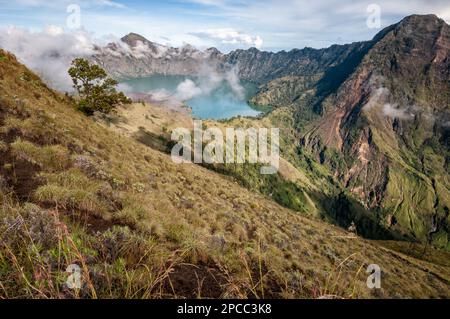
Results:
x,y
263,67
135,56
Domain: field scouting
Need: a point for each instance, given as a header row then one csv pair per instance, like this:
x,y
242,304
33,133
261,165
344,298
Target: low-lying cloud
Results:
x,y
188,90
381,101
378,97
49,52
393,111
209,79
140,50
206,81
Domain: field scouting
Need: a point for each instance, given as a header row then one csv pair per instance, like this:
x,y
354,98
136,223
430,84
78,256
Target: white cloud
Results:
x,y
210,2
393,111
282,24
123,87
231,36
380,102
140,50
109,3
83,3
51,51
187,89
48,52
377,97
209,79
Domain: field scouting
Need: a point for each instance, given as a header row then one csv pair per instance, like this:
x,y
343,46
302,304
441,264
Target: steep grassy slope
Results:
x,y
140,226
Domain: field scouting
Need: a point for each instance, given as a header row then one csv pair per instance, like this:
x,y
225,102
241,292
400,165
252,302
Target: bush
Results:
x,y
52,158
70,189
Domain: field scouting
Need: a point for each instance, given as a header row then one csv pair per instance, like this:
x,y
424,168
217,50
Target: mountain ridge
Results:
x,y
270,65
189,60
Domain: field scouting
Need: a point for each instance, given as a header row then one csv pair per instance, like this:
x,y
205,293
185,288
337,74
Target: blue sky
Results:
x,y
227,24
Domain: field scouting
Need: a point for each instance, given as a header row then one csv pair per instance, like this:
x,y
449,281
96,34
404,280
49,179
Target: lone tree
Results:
x,y
97,91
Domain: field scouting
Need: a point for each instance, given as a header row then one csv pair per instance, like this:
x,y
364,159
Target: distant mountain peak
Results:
x,y
132,38
427,24
420,18
212,49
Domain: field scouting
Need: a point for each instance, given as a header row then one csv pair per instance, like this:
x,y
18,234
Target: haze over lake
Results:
x,y
207,100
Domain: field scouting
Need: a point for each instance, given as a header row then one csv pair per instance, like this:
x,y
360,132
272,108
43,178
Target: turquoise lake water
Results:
x,y
221,102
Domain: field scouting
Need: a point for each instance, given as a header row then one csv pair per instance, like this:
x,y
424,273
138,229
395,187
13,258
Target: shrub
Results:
x,y
53,157
3,146
175,232
67,197
70,189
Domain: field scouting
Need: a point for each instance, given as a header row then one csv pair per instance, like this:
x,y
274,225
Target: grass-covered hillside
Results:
x,y
73,191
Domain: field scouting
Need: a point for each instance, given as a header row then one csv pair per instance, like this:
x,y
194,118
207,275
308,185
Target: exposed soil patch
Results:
x,y
20,175
90,221
194,281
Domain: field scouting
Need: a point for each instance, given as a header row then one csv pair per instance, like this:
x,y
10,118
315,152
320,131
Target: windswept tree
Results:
x,y
96,90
